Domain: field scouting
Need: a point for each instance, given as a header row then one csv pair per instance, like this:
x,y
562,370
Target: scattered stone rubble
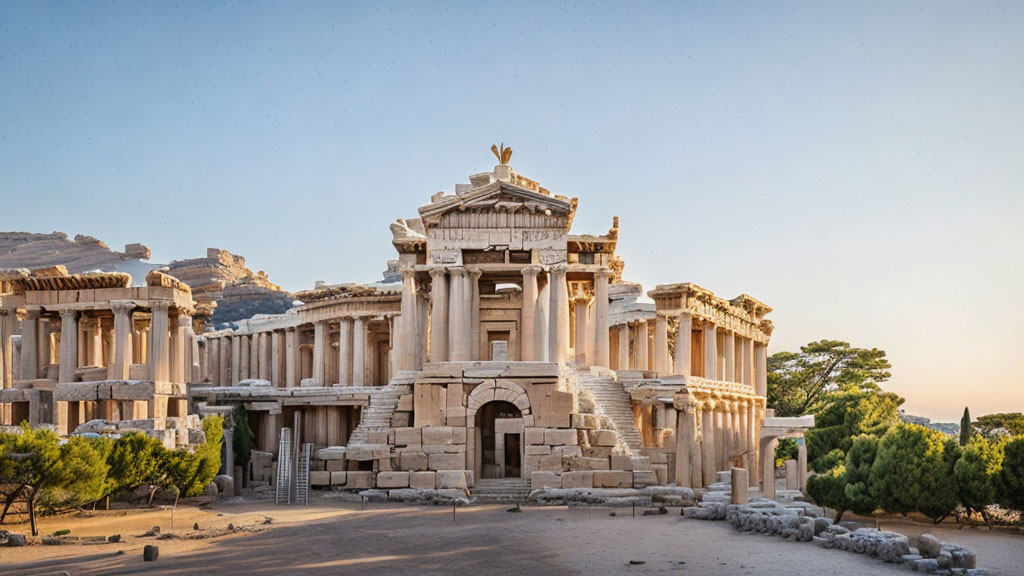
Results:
x,y
646,497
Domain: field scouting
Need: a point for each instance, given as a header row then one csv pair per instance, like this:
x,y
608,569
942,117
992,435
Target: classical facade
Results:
x,y
506,349
76,348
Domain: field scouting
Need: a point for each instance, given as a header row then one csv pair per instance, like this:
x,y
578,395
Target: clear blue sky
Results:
x,y
858,166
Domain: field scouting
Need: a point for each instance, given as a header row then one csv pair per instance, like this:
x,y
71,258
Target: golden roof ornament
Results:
x,y
502,154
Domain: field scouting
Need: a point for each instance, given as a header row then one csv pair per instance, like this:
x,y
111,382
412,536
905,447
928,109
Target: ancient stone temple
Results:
x,y
92,347
507,350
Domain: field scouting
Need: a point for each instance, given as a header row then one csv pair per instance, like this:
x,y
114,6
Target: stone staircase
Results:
x,y
613,402
383,401
501,490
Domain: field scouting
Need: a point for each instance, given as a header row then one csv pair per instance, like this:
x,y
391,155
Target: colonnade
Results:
x,y
544,317
714,433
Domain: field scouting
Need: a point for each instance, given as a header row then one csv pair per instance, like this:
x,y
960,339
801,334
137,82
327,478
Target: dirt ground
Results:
x,y
330,537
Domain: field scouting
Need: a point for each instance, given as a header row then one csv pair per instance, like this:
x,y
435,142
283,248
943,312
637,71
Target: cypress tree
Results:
x,y
965,428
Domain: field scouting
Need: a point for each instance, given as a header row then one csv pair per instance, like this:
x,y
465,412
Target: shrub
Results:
x,y
913,471
828,488
1011,477
977,474
859,461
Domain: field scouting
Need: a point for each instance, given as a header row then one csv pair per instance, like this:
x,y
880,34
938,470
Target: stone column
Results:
x,y
643,338
458,345
94,342
224,362
736,441
345,352
751,428
582,304
558,340
236,359
319,350
118,369
761,369
661,355
801,459
730,357
30,344
742,428
601,336
290,352
542,318
438,315
528,335
683,346
406,350
8,319
710,350
708,451
359,352
474,313
213,359
686,431
159,343
68,346
251,346
721,435
264,355
275,358
767,455
245,358
623,352
179,339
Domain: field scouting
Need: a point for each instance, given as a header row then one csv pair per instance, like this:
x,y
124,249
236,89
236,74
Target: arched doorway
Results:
x,y
499,440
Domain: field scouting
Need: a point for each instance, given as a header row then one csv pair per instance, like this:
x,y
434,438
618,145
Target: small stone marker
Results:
x,y
195,526
114,538
150,553
16,540
740,485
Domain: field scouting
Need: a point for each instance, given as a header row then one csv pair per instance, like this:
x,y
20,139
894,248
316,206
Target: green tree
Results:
x,y
977,474
34,455
1011,477
138,460
191,471
799,383
848,414
242,437
83,473
1012,422
859,461
828,489
913,471
965,427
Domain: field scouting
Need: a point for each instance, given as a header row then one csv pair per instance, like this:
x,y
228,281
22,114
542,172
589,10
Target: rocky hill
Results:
x,y
221,277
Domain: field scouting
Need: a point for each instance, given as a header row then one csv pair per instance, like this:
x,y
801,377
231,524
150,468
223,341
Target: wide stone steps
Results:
x,y
501,490
614,403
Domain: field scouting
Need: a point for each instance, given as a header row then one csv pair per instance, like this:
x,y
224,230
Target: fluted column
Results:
x,y
457,320
542,320
122,353
661,355
237,342
721,435
406,349
742,428
438,315
767,459
528,335
747,377
710,350
264,356
8,318
250,346
686,431
751,430
359,352
474,313
68,346
275,358
559,311
244,356
708,448
290,352
601,336
623,352
730,357
736,436
683,345
582,303
643,337
345,352
178,339
159,343
761,369
30,344
319,350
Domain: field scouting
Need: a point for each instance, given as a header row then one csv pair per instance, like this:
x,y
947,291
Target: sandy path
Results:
x,y
335,538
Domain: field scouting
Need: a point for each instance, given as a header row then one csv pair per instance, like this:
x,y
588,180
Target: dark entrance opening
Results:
x,y
499,452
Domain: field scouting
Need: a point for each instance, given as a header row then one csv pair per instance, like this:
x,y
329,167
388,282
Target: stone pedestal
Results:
x,y
740,494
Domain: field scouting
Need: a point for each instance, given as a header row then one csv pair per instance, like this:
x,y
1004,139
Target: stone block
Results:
x,y
642,478
410,460
359,480
392,479
446,461
581,479
441,435
423,480
406,436
338,478
603,438
556,437
452,479
335,465
534,436
661,472
541,480
567,451
592,463
613,479
540,450
551,463
319,478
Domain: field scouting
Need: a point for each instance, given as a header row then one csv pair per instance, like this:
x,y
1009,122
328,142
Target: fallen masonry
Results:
x,y
802,522
644,497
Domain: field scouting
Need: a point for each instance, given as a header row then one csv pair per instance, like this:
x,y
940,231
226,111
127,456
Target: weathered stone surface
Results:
x,y
452,479
556,437
541,480
393,479
446,461
613,479
150,553
423,480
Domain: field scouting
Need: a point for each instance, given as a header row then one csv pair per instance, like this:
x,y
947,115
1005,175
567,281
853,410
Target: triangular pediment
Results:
x,y
500,196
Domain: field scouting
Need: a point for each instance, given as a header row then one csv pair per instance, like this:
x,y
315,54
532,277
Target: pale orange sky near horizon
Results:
x,y
858,167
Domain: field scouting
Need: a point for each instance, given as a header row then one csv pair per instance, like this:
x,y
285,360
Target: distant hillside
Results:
x,y
947,428
221,277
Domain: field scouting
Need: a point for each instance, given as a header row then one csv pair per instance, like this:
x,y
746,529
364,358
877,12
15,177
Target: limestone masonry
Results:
x,y
503,353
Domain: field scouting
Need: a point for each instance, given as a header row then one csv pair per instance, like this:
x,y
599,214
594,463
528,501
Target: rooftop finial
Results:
x,y
502,154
